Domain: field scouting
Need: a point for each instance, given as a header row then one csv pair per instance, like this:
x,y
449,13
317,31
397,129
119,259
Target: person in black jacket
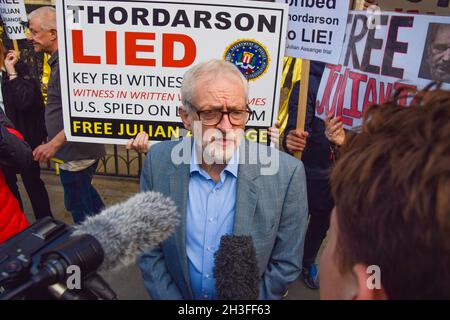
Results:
x,y
24,106
317,159
15,156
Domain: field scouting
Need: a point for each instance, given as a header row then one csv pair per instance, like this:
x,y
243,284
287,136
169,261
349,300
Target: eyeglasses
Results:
x,y
214,117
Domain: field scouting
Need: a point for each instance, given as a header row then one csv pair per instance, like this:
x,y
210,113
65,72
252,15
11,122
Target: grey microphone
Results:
x,y
127,229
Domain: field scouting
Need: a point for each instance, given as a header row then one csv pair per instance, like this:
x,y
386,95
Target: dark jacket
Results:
x,y
15,154
317,155
24,105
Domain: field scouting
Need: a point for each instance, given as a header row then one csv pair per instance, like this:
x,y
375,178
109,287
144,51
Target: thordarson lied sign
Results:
x,y
122,63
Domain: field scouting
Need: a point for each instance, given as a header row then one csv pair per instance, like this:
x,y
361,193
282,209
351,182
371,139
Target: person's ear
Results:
x,y
186,119
53,35
368,282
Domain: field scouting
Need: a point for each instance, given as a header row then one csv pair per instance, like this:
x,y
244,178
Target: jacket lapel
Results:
x,y
247,194
179,186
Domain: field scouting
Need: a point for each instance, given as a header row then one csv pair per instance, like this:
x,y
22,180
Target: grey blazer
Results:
x,y
270,208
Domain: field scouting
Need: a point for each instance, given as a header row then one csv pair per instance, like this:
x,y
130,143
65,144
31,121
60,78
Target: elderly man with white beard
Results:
x,y
221,189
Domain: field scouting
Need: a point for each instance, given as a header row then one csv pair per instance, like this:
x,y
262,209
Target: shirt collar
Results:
x,y
232,166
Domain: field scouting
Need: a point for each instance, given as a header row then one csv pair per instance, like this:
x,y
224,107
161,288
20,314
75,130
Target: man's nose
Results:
x,y
225,123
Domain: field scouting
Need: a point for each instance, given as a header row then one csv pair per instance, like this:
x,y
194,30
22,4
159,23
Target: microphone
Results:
x,y
126,229
41,254
236,269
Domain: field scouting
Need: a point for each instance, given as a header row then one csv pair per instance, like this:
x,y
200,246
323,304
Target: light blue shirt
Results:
x,y
210,215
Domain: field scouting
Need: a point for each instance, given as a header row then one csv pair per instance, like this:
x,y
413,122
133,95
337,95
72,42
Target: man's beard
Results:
x,y
212,145
442,71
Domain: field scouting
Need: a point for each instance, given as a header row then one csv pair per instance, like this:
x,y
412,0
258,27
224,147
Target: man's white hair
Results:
x,y
208,71
47,17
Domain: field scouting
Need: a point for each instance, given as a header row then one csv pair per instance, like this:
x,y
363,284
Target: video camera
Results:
x,y
35,264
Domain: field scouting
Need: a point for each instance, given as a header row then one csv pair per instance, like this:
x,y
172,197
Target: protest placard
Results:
x,y
438,7
14,17
316,29
405,51
122,63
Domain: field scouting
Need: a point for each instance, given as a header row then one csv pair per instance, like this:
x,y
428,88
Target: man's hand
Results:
x,y
274,133
368,3
296,140
45,152
140,143
10,62
334,130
